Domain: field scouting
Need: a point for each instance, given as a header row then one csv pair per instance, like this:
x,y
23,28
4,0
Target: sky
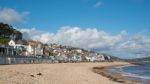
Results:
x,y
117,27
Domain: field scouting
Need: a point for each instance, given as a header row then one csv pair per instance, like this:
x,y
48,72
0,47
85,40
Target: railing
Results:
x,y
5,59
23,60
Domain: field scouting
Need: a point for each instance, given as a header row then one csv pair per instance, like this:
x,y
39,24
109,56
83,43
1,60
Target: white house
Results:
x,y
11,43
24,50
30,50
19,48
100,57
90,58
96,58
35,48
78,50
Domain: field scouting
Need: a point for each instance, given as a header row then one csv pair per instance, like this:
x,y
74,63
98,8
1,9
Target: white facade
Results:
x,y
11,43
95,58
79,50
100,57
34,51
30,50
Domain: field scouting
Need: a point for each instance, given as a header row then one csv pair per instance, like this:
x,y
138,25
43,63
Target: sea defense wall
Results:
x,y
23,60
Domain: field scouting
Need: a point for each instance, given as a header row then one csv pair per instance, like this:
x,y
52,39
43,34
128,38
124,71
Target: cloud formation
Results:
x,y
75,36
11,16
91,38
138,44
98,4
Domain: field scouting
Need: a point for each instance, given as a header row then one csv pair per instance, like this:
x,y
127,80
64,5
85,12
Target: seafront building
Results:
x,y
30,48
57,51
7,50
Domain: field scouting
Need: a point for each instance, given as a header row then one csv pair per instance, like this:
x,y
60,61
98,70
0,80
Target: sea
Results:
x,y
140,72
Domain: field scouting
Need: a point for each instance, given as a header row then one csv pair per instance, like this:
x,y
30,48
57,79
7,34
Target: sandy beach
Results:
x,y
64,73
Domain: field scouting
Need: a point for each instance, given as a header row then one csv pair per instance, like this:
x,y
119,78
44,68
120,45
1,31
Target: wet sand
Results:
x,y
117,77
63,73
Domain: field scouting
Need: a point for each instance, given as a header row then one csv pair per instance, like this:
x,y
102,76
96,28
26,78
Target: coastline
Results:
x,y
60,73
114,76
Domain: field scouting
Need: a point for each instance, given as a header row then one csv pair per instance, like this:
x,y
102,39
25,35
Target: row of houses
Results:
x,y
53,51
29,48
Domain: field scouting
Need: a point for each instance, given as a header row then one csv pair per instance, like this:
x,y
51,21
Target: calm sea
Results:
x,y
140,72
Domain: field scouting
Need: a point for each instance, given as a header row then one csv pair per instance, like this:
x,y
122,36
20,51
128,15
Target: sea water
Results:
x,y
139,72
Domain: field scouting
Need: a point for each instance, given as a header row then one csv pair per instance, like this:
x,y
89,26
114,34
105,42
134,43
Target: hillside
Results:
x,y
7,32
113,58
140,59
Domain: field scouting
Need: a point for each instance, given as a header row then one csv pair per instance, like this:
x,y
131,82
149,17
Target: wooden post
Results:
x,y
7,50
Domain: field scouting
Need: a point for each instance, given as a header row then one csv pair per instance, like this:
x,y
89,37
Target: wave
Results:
x,y
120,68
125,66
134,72
134,75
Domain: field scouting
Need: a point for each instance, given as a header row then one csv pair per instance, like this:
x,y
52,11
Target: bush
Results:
x,y
3,41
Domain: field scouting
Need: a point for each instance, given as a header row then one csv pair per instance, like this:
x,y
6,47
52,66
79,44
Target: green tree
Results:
x,y
7,31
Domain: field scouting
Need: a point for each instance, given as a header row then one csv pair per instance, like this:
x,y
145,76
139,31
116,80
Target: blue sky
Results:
x,y
118,24
111,15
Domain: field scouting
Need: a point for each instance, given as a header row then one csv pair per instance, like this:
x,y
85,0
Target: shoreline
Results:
x,y
77,73
117,77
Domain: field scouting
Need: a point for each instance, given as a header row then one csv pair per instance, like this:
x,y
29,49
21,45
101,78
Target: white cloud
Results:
x,y
75,36
91,38
11,16
138,44
98,4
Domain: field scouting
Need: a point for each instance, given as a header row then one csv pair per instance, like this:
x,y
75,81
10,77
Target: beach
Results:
x,y
60,73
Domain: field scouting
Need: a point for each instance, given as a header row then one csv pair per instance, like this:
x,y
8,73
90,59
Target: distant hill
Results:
x,y
113,58
140,59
